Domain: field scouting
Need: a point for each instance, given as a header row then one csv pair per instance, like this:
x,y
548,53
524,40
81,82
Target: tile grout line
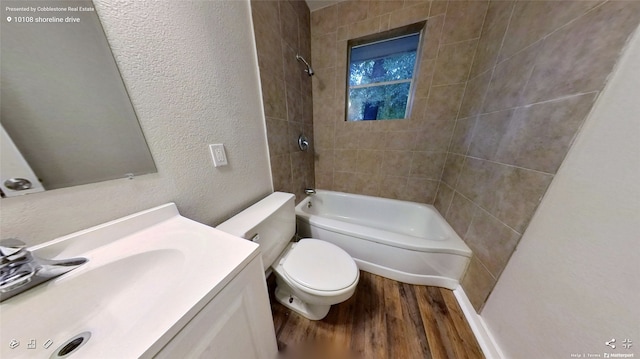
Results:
x,y
575,135
466,156
467,40
490,69
510,165
544,37
431,85
448,205
435,61
496,278
477,258
467,82
481,104
561,98
487,212
520,235
448,84
464,162
284,69
486,91
484,20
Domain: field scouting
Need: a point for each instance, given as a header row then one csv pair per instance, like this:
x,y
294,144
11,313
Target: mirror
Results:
x,y
66,116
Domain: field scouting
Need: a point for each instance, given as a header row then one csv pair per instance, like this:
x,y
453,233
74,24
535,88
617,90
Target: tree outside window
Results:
x,y
381,75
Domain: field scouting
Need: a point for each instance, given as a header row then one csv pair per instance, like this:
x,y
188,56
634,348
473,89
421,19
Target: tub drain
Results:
x,y
71,345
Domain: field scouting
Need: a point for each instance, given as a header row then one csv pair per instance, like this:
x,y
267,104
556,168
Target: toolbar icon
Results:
x,y
31,344
627,343
47,344
610,343
14,344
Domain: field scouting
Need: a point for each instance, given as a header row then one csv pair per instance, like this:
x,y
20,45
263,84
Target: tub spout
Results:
x,y
309,191
21,270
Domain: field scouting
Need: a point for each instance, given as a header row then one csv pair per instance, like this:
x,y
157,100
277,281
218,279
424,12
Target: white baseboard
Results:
x,y
483,335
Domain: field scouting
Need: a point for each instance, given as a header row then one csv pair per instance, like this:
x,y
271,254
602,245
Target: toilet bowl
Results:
x,y
311,275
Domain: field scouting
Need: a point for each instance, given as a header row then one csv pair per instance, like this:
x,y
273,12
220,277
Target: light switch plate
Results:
x,y
218,155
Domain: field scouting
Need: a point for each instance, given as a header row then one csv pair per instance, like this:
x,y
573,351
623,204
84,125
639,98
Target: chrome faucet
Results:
x,y
21,270
309,191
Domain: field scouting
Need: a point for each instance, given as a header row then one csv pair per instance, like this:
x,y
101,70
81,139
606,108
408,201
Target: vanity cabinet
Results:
x,y
169,287
235,324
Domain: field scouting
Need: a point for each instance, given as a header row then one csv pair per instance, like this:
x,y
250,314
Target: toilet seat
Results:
x,y
320,266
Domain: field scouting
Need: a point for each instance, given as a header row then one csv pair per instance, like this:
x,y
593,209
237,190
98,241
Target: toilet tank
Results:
x,y
271,223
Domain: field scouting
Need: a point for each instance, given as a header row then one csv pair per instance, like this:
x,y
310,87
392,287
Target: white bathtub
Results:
x,y
404,241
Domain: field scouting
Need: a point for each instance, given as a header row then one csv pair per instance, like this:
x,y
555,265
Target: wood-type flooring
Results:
x,y
383,319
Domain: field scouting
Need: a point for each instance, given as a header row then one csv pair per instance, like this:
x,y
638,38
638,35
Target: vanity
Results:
x,y
156,285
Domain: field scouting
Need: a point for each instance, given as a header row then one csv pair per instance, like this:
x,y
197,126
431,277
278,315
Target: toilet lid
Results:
x,y
320,265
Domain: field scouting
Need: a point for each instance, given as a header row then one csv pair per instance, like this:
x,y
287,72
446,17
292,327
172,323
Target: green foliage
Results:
x,y
390,68
390,100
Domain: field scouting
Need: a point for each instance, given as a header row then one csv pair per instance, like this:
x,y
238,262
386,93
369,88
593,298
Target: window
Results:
x,y
380,77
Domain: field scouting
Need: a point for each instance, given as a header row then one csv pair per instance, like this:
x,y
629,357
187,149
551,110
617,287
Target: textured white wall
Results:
x,y
574,282
192,74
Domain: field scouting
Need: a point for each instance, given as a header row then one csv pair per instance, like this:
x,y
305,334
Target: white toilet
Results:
x,y
311,275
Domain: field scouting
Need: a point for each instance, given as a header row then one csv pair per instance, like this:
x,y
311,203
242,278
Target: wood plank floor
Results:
x,y
383,319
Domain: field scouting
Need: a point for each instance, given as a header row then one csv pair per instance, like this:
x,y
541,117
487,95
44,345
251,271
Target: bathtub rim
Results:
x,y
401,264
453,244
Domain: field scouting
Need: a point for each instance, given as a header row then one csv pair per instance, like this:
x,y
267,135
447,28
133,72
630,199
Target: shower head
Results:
x,y
308,70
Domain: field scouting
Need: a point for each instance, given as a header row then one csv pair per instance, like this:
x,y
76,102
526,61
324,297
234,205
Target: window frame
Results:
x,y
403,31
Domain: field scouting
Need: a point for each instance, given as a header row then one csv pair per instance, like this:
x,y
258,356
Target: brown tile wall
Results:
x,y
282,29
400,159
537,71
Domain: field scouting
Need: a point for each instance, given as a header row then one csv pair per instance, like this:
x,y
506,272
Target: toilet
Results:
x,y
311,275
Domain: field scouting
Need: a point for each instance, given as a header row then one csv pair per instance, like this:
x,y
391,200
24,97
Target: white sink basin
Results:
x,y
148,274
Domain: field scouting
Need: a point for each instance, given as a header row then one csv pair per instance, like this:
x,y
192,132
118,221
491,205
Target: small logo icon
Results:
x,y
606,355
610,343
47,344
627,343
8,18
31,344
14,344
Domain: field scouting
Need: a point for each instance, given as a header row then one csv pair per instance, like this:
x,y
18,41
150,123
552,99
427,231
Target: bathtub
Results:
x,y
404,241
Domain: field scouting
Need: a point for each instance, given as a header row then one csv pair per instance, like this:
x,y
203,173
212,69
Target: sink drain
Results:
x,y
71,345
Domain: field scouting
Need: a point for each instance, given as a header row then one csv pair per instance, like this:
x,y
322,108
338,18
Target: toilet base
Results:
x,y
309,311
